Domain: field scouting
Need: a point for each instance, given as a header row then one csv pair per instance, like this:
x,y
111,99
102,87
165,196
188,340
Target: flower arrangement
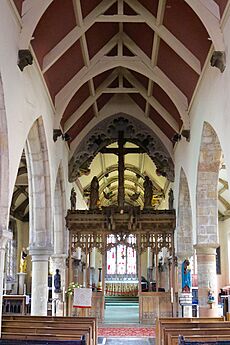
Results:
x,y
211,297
71,287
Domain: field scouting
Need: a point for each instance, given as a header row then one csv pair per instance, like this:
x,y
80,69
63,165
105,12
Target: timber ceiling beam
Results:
x,y
155,48
224,202
84,75
208,12
90,101
134,63
32,12
75,34
114,179
152,101
133,169
121,104
84,48
178,47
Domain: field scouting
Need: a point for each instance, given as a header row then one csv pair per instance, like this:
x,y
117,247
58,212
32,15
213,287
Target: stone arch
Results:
x,y
40,215
4,164
107,132
60,238
59,214
184,224
39,187
206,190
207,218
5,235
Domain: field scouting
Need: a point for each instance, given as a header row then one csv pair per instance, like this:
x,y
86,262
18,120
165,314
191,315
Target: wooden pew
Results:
x,y
163,323
199,339
50,328
41,342
194,331
68,322
28,335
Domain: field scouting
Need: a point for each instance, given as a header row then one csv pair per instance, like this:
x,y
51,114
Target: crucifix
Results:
x,y
121,151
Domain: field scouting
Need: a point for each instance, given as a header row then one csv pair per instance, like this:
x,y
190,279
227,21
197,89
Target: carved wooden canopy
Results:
x,y
107,132
150,228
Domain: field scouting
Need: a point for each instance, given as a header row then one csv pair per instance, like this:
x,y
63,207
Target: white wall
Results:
x,y
224,234
211,104
26,99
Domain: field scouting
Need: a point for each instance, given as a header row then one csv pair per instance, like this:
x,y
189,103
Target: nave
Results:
x,y
114,169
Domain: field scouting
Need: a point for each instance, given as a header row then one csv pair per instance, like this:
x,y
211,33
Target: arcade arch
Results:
x,y
207,216
40,219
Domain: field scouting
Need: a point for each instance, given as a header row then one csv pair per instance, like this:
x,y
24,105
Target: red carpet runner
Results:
x,y
126,332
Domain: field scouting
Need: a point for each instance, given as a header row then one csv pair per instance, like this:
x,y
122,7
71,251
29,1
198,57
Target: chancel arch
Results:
x,y
40,215
207,216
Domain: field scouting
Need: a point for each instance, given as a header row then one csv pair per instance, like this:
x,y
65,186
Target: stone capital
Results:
x,y
6,235
206,248
181,256
59,260
40,254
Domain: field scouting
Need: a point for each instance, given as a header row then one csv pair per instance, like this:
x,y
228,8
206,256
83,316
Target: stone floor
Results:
x,y
126,341
121,314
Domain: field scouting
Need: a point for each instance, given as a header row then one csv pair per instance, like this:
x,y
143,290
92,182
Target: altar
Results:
x,y
121,288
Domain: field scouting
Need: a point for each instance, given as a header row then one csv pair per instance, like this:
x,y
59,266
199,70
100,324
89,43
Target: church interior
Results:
x,y
114,172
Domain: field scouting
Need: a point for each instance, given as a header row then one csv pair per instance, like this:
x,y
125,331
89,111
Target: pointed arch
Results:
x,y
207,182
59,214
184,225
39,187
4,164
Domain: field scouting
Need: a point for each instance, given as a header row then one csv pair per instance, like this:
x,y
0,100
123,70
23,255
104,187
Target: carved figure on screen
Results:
x,y
94,194
23,263
73,200
171,199
186,276
57,282
148,192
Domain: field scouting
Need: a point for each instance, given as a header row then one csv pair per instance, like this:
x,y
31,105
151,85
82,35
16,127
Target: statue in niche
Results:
x,y
94,194
57,281
23,262
170,199
73,200
186,276
148,192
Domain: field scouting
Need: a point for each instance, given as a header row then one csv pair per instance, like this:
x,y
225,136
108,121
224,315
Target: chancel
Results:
x,y
114,170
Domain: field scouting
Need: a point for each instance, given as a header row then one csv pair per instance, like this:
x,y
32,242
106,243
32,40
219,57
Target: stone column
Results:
x,y
39,289
59,262
6,236
206,274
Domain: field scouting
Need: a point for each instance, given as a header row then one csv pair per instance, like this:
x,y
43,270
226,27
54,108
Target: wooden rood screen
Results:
x,y
150,228
129,227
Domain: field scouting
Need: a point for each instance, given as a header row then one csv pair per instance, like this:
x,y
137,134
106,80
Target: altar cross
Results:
x,y
121,151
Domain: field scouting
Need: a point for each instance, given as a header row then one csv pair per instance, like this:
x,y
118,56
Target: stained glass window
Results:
x,y
121,259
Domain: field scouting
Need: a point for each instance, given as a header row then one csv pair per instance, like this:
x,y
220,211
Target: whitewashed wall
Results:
x,y
26,99
211,104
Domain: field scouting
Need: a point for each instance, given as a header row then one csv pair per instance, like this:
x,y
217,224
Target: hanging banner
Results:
x,y
82,298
